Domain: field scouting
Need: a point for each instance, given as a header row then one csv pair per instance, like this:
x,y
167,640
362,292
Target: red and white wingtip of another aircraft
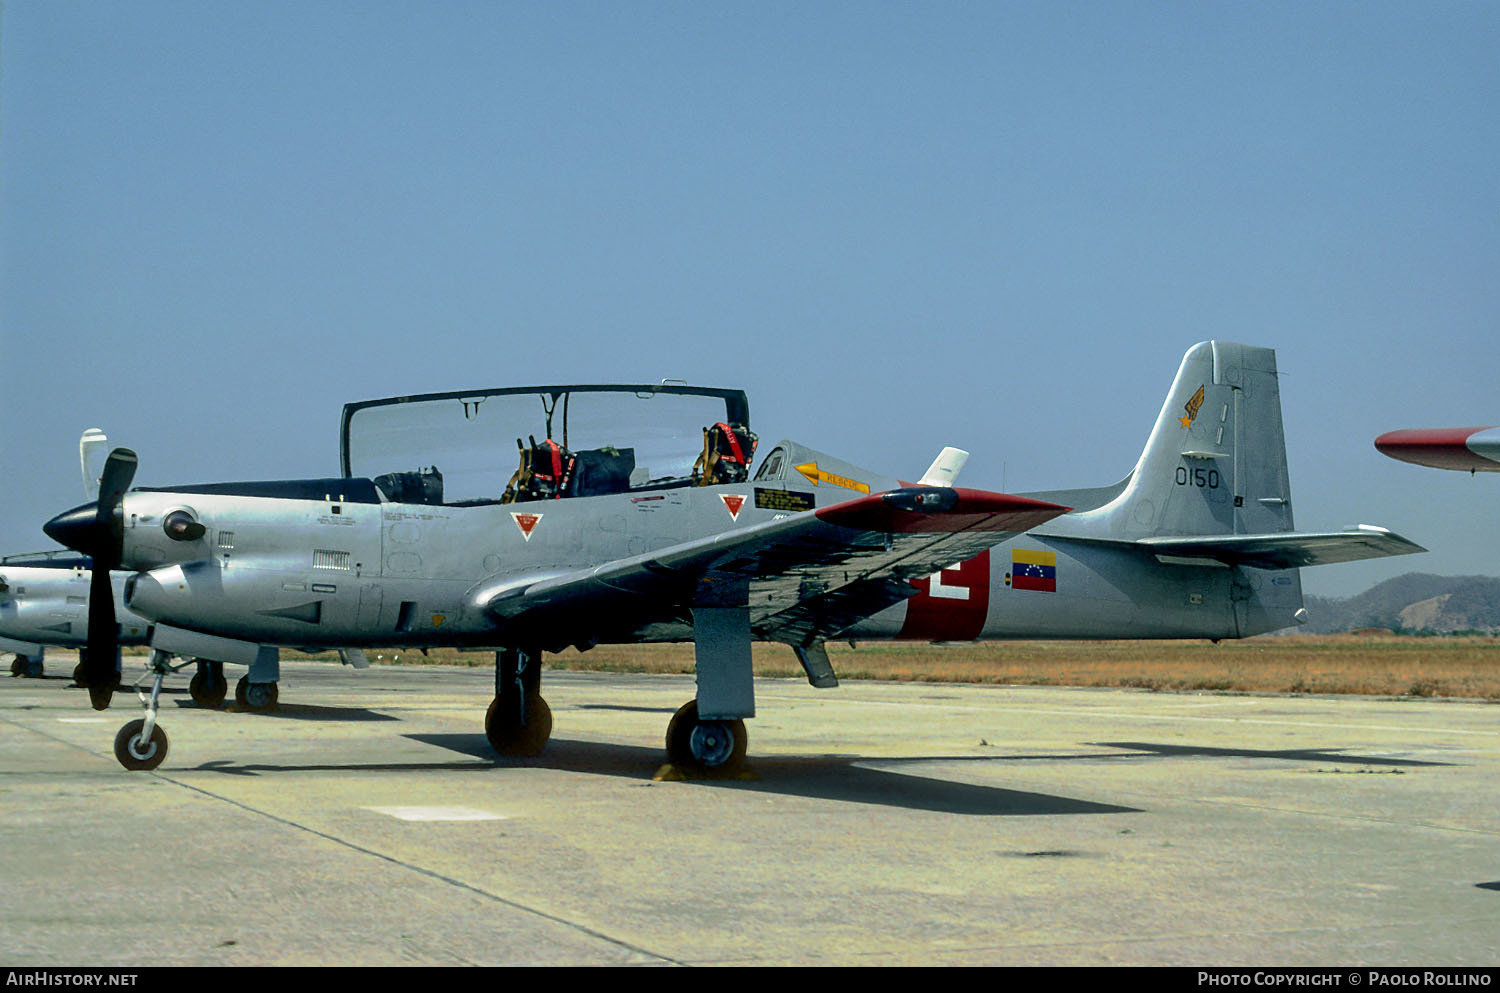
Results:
x,y
1468,449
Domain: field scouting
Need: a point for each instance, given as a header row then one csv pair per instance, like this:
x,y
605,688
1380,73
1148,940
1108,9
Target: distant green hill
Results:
x,y
1416,602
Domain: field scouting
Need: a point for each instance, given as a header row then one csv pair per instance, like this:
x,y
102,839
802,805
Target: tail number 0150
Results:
x,y
1207,479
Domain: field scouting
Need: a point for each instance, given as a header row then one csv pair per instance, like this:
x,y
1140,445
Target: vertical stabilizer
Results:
x,y
1215,462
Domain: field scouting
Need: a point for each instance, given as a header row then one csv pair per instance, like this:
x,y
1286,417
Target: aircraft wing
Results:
x,y
1288,550
808,575
1475,449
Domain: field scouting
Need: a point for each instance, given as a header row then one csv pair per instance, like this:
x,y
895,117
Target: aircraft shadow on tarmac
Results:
x,y
844,778
1146,749
823,777
299,712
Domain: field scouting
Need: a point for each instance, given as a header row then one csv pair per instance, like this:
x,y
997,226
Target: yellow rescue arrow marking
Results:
x,y
816,476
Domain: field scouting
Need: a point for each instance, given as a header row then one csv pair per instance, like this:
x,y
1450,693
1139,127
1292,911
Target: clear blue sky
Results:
x,y
896,225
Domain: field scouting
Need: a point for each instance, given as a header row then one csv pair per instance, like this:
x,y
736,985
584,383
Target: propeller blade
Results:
x,y
119,471
104,639
102,536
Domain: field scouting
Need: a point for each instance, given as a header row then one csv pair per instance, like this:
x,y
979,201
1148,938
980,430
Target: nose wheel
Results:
x,y
705,747
141,744
138,749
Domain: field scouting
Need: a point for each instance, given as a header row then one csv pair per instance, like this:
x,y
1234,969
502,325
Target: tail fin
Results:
x,y
1211,490
1215,462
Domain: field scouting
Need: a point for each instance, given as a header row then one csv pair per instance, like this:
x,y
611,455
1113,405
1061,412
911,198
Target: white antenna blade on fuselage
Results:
x,y
944,468
93,449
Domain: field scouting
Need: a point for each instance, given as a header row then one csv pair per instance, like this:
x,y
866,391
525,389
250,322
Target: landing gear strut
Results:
x,y
518,722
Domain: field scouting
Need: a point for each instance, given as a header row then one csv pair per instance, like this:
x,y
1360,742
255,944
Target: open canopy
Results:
x,y
462,447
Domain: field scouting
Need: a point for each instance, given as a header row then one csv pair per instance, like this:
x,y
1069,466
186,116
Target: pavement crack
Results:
x,y
637,953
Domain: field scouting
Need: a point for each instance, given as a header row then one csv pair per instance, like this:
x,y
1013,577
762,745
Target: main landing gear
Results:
x,y
26,666
519,723
255,697
208,686
705,747
81,670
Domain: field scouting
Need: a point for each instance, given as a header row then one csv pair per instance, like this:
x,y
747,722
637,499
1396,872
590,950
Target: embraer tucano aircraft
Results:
x,y
634,516
44,595
44,602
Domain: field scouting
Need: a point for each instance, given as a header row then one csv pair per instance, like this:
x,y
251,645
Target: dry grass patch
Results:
x,y
1375,664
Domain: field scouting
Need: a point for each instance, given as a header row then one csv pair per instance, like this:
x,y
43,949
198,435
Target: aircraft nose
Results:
x,y
78,528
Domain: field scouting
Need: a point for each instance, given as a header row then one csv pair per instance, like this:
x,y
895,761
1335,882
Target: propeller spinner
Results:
x,y
98,530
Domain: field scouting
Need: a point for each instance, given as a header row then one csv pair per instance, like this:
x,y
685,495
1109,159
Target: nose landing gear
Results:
x,y
141,745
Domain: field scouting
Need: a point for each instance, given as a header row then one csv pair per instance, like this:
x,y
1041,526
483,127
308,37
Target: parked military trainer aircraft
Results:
x,y
44,595
44,602
635,519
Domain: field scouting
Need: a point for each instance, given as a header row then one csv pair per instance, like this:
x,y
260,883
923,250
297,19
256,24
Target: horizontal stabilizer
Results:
x,y
1288,550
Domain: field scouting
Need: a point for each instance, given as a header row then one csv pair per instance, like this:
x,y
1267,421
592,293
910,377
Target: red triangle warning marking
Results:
x,y
526,522
733,504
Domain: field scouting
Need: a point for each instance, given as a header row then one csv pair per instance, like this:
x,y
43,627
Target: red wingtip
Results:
x,y
1441,448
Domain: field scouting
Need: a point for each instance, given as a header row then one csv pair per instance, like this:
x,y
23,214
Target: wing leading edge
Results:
x,y
804,577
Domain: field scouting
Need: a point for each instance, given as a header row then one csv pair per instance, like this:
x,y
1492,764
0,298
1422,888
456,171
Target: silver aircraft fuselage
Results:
x,y
351,570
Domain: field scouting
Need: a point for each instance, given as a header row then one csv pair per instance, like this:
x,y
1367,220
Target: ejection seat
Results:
x,y
545,472
727,452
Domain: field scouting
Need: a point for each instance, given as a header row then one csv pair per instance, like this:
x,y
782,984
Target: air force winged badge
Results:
x,y
1192,409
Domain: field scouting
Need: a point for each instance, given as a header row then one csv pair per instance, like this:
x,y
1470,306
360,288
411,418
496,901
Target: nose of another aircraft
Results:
x,y
1475,449
77,528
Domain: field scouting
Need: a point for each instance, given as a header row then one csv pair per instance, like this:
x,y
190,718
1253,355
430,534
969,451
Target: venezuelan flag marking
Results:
x,y
1033,570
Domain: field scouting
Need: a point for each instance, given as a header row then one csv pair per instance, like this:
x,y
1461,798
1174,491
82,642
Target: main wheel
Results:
x,y
708,748
135,753
509,736
256,697
208,689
